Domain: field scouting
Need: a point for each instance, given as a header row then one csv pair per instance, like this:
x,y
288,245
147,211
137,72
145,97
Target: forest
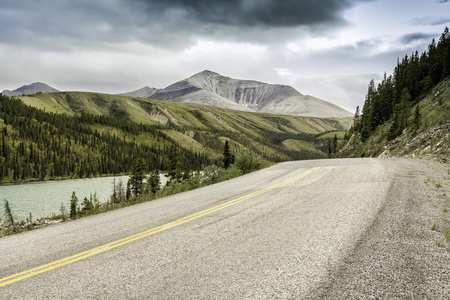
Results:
x,y
39,145
391,100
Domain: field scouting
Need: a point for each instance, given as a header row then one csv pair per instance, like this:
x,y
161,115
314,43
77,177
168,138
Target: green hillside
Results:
x,y
426,135
408,112
80,134
199,128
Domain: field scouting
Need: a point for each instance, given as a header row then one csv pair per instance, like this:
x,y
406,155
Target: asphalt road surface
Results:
x,y
322,229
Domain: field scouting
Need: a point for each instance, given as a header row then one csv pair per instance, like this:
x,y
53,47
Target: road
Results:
x,y
322,229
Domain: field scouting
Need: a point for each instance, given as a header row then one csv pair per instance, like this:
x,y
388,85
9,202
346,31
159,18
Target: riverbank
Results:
x,y
10,181
91,205
46,198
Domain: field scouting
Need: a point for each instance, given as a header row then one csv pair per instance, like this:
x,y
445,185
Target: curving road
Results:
x,y
297,230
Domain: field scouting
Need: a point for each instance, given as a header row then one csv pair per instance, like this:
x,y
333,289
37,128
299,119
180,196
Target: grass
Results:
x,y
300,145
435,226
247,129
447,235
330,135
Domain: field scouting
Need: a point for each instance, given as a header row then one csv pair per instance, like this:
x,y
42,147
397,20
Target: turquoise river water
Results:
x,y
44,198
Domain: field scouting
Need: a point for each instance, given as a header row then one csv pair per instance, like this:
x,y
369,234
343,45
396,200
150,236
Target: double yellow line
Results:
x,y
74,258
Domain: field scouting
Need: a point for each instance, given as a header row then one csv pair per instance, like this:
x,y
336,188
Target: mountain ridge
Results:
x,y
211,88
145,92
34,88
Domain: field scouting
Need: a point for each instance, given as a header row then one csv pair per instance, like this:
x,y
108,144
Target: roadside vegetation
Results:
x,y
143,185
440,201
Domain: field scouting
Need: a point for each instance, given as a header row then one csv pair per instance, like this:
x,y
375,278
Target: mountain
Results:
x,y
145,92
92,133
213,89
37,87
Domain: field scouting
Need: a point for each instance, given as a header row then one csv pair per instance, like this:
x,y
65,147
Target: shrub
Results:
x,y
248,162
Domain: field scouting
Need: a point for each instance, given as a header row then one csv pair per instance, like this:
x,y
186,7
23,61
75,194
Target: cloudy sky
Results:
x,y
330,49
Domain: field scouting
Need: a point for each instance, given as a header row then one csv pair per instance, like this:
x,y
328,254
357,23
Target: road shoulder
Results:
x,y
405,253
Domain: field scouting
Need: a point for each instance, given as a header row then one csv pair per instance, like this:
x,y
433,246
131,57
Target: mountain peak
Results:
x,y
211,88
145,92
206,73
36,87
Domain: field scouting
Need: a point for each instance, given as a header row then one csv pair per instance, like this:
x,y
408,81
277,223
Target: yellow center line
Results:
x,y
82,255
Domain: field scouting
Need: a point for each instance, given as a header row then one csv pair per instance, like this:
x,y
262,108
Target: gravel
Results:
x,y
401,255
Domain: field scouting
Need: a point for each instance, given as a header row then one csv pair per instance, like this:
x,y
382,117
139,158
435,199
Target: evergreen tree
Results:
x,y
9,216
227,157
416,120
87,206
73,205
173,166
403,110
335,144
393,129
137,176
153,182
128,191
356,120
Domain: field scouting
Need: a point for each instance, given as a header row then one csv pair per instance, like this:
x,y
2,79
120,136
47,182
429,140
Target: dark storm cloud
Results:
x,y
270,13
418,36
84,24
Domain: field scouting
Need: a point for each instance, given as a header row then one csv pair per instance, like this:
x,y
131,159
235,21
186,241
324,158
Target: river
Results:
x,y
45,197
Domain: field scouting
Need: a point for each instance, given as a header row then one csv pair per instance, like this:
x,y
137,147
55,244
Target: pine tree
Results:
x,y
393,129
356,120
154,182
138,170
335,144
73,205
403,109
128,191
87,206
173,166
8,215
227,157
416,121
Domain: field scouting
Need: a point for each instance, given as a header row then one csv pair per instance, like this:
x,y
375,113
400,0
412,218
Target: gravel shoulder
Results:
x,y
405,253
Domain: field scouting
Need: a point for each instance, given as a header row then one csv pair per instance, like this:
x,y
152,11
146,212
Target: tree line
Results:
x,y
391,100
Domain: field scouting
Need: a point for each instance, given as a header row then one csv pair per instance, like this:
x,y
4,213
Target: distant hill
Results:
x,y
210,88
200,127
145,92
34,88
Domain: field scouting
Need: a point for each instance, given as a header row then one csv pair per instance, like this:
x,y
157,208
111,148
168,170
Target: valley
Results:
x,y
200,131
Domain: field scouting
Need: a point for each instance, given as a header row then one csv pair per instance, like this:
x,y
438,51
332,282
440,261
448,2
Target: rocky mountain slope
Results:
x,y
213,89
145,92
37,87
210,88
